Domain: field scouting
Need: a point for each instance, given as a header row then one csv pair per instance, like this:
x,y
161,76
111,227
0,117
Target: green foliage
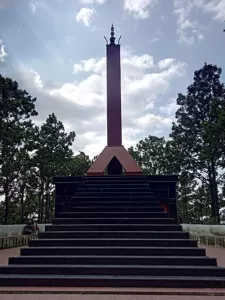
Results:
x,y
79,164
196,130
30,155
195,150
156,156
16,136
150,155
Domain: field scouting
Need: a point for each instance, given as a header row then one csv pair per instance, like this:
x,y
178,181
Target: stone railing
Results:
x,y
15,241
210,240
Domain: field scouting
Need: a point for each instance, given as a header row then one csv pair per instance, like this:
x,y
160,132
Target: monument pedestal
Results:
x,y
115,158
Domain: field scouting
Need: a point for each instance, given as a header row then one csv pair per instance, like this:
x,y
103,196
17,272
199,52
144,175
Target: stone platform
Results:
x,y
114,232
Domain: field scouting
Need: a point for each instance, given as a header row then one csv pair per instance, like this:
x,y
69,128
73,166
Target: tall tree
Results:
x,y
51,159
195,127
16,108
150,154
79,165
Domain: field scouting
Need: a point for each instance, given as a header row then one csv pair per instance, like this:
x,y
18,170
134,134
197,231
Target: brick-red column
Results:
x,y
114,119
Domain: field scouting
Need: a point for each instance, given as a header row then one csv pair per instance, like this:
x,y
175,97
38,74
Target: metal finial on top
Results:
x,y
112,29
112,38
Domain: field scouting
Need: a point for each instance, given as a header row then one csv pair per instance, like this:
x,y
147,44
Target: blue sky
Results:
x,y
56,51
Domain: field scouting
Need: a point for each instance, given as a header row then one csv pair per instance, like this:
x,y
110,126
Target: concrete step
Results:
x,y
113,193
114,185
115,189
116,203
111,281
113,242
114,234
91,197
113,250
111,214
114,227
119,270
155,221
116,180
113,260
114,177
115,209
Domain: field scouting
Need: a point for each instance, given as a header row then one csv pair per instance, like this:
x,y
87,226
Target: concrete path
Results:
x,y
107,297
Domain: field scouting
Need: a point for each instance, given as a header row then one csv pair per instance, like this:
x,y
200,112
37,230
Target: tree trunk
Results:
x,y
22,203
215,193
6,192
186,212
52,205
42,206
211,190
47,206
40,203
201,213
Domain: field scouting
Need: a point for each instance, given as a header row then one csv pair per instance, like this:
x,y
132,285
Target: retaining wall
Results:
x,y
213,235
198,229
8,230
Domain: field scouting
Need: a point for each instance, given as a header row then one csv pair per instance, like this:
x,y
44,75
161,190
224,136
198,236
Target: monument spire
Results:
x,y
114,157
114,118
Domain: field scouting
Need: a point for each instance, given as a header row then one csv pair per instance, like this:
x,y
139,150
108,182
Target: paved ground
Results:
x,y
219,253
107,297
4,254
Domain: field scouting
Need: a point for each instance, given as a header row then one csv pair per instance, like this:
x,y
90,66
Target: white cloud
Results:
x,y
141,9
165,63
92,1
215,7
154,124
81,105
136,63
85,16
36,79
151,120
33,5
85,93
189,29
169,109
154,40
3,54
90,65
133,64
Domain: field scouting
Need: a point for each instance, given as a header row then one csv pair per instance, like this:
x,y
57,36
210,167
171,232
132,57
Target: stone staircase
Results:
x,y
112,231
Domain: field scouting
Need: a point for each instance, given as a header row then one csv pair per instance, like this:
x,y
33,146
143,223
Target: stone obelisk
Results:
x,y
114,157
114,117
